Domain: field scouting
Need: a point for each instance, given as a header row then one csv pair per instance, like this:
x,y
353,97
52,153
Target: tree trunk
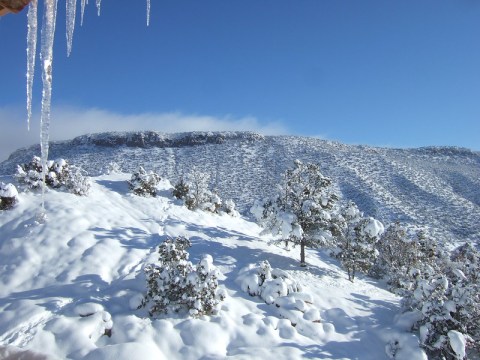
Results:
x,y
302,254
351,273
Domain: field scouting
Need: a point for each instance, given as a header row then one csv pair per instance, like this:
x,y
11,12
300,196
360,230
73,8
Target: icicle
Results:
x,y
84,3
31,52
99,5
148,12
46,57
71,11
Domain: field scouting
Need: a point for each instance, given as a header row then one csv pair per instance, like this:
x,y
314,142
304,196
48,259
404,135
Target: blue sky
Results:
x,y
379,72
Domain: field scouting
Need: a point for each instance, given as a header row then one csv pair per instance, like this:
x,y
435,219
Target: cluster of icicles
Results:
x,y
46,59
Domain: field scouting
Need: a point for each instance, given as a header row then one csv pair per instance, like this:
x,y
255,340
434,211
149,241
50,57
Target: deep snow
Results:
x,y
68,280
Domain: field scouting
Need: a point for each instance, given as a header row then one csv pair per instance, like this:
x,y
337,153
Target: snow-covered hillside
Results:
x,y
437,187
66,281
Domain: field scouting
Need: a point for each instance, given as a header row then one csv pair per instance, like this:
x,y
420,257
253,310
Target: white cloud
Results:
x,y
68,122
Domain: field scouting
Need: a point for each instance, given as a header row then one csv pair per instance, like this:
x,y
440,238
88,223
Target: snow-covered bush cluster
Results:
x,y
8,196
270,284
144,183
441,291
401,253
445,297
196,194
175,284
59,175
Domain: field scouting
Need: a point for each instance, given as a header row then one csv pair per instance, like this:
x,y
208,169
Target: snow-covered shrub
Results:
x,y
77,182
447,301
144,183
356,240
228,207
196,194
30,174
398,254
59,175
113,168
270,284
175,284
402,254
8,196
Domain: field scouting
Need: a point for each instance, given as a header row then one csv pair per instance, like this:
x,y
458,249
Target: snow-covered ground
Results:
x,y
70,286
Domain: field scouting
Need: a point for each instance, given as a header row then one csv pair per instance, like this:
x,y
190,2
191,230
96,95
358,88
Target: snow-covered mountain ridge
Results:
x,y
432,186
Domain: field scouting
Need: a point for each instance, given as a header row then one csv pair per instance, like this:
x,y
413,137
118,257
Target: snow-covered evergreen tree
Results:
x,y
144,183
301,213
398,254
180,189
356,238
8,196
175,284
59,175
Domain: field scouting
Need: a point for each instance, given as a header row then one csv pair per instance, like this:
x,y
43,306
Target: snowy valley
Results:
x,y
72,284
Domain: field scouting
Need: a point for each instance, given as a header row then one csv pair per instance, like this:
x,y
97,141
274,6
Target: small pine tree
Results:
x,y
199,193
301,213
144,183
175,284
397,256
356,240
181,189
113,168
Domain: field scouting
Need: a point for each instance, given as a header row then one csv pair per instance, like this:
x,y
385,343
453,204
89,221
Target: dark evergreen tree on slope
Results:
x,y
301,213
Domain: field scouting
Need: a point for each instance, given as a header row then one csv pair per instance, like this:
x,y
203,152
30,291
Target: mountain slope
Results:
x,y
64,279
437,186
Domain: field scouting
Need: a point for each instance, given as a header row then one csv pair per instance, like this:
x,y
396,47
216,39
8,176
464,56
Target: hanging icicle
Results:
x,y
71,7
99,5
31,52
84,3
46,58
148,12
